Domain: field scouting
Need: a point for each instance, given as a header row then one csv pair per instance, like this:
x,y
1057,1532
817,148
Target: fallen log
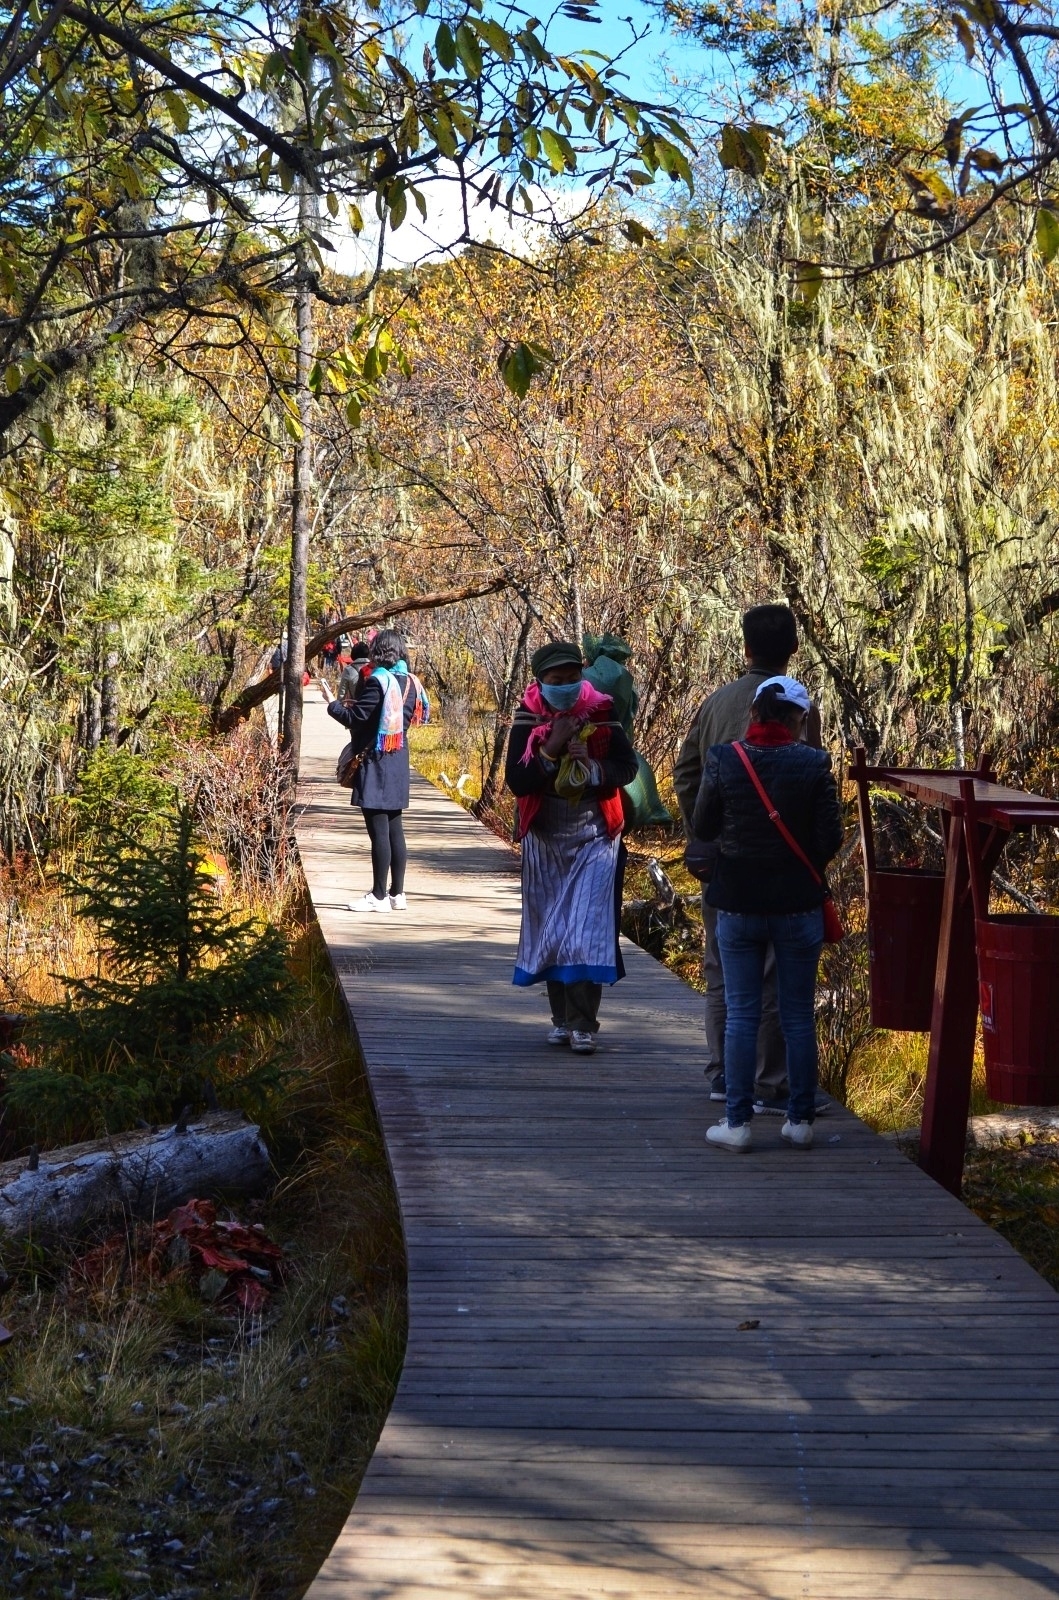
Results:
x,y
997,1128
255,694
141,1174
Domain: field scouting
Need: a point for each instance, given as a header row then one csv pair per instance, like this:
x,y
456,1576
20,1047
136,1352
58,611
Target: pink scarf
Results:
x,y
588,704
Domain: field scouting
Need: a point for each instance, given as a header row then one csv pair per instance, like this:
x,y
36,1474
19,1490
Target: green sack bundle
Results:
x,y
643,803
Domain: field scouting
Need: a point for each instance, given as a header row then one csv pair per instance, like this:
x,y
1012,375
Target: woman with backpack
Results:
x,y
567,759
771,803
385,702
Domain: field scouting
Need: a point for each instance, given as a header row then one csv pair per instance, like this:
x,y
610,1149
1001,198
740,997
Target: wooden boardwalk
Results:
x,y
636,1366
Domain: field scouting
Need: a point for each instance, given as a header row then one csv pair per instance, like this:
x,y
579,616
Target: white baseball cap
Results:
x,y
789,689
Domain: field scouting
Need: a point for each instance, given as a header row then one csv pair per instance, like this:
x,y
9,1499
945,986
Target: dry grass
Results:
x,y
151,1445
1016,1190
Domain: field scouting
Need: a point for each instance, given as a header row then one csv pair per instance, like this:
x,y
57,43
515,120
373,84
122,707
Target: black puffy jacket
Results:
x,y
756,870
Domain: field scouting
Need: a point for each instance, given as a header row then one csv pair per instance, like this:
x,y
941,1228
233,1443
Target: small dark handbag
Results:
x,y
834,932
348,765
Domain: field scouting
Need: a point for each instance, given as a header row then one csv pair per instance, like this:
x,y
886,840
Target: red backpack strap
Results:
x,y
774,816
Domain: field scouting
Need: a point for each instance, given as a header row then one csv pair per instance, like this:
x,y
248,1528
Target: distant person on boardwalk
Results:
x,y
567,759
358,664
384,703
770,638
764,895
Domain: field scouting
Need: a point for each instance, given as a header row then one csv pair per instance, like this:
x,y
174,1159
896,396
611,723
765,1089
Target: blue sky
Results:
x,y
646,61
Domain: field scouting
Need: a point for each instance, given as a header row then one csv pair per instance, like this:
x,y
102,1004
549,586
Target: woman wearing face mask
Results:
x,y
567,760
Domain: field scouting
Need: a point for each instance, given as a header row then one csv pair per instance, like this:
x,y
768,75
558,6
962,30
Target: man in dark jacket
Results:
x,y
770,638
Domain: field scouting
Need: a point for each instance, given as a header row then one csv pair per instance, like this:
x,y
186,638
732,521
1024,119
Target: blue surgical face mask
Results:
x,y
561,696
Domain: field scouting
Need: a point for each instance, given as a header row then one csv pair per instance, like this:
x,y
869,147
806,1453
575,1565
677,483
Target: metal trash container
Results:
x,y
904,924
1018,996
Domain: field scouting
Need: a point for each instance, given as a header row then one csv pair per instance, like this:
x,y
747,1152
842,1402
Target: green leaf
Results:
x,y
398,205
445,47
469,51
986,160
46,433
558,150
13,379
1046,233
521,363
744,149
497,38
293,426
635,231
353,410
965,36
178,110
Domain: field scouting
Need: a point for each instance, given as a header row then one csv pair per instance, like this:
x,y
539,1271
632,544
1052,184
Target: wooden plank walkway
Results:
x,y
636,1366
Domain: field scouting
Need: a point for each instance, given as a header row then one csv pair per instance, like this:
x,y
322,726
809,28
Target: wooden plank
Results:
x,y
579,1412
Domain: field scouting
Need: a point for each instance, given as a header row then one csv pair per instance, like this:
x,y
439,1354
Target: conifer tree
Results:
x,y
167,1019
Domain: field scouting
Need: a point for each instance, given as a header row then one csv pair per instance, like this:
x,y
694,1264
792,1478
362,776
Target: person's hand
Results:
x,y
578,749
559,736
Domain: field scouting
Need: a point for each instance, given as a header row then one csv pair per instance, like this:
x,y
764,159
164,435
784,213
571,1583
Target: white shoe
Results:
x,y
729,1138
559,1035
583,1044
398,902
799,1133
368,902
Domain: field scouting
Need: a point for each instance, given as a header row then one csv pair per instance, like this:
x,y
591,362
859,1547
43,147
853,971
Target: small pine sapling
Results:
x,y
169,1018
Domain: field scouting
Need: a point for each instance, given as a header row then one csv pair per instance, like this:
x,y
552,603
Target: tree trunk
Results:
x,y
93,719
515,669
297,619
109,693
142,1174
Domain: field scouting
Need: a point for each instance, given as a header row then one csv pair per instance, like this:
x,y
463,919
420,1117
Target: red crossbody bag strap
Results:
x,y
774,816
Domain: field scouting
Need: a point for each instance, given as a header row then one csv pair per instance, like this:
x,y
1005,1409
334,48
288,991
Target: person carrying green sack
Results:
x,y
606,656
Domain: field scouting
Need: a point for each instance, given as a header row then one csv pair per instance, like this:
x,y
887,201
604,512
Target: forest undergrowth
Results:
x,y
156,1440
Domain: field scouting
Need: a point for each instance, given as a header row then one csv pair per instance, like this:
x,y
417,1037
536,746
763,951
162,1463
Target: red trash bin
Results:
x,y
1018,984
904,924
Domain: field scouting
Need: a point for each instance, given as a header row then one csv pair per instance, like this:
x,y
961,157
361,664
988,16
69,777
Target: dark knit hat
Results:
x,y
558,653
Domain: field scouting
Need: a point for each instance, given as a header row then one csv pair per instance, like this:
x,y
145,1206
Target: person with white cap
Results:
x,y
755,794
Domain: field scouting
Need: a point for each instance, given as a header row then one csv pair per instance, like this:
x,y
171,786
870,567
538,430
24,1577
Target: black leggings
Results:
x,y
389,853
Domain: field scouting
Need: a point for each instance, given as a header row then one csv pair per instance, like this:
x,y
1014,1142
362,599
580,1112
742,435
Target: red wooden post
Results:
x,y
947,1096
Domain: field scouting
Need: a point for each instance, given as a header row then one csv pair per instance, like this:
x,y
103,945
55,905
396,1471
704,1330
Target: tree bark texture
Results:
x,y
297,601
140,1174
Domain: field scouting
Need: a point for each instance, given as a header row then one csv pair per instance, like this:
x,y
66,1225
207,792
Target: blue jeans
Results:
x,y
743,939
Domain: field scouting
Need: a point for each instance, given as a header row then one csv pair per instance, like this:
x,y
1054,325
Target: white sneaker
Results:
x,y
729,1138
799,1133
368,902
583,1044
398,902
559,1036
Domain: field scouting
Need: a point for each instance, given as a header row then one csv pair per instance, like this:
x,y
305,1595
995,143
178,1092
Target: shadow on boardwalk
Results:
x,y
637,1367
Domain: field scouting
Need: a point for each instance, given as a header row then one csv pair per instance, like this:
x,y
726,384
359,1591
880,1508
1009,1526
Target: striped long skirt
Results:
x,y
571,897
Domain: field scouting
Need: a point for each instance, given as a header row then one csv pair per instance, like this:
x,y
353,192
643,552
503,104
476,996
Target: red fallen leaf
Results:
x,y
251,1295
217,1258
193,1214
252,1240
